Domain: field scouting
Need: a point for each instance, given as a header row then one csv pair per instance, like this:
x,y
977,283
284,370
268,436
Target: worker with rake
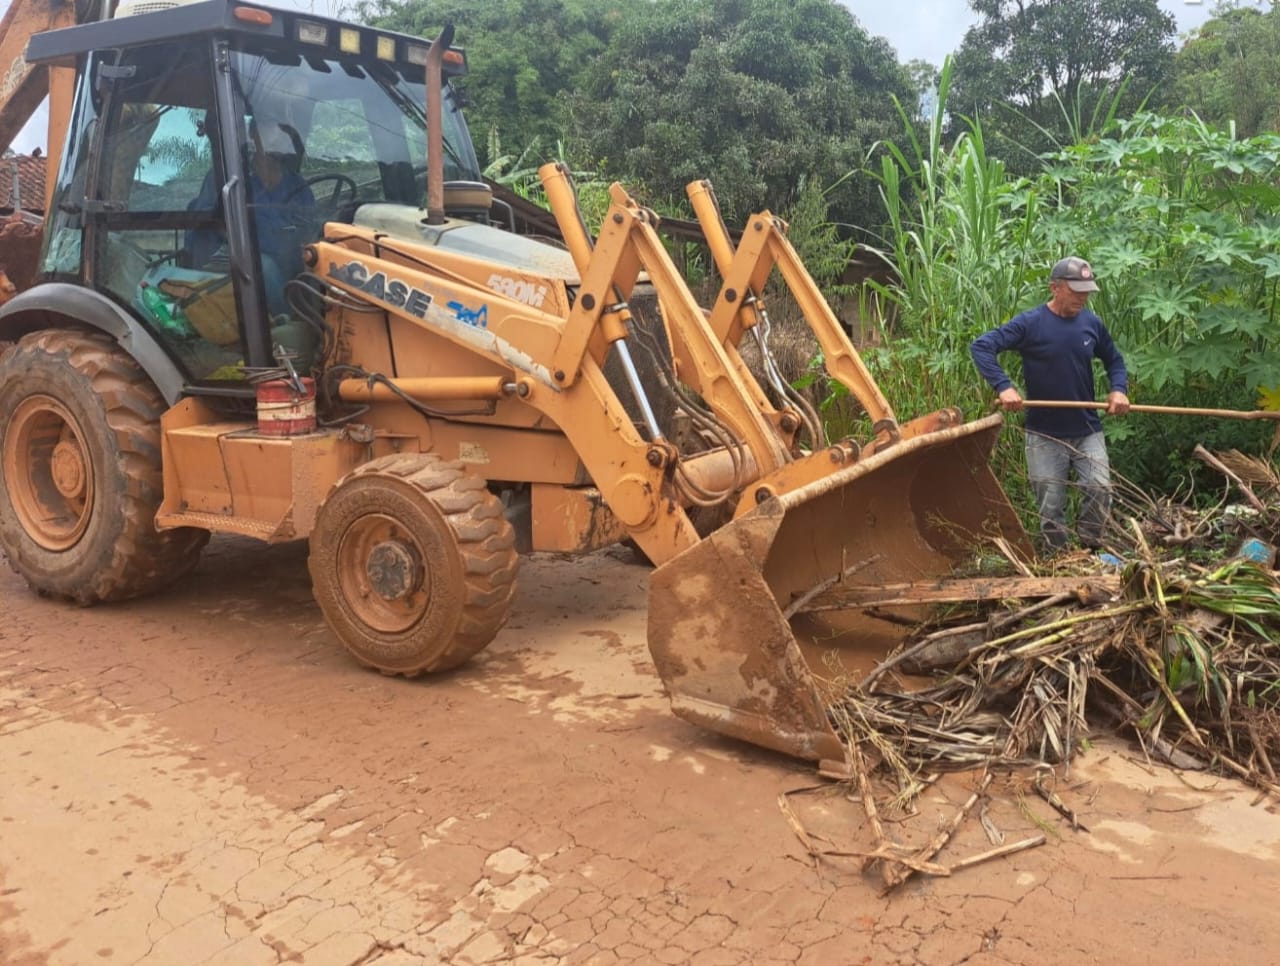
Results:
x,y
1058,342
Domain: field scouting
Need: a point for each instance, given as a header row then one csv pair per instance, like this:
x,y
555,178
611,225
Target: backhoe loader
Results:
x,y
248,321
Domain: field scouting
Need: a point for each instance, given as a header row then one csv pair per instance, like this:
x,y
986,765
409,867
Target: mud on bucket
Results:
x,y
748,628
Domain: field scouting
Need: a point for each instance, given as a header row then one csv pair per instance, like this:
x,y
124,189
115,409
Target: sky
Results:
x,y
917,29
931,29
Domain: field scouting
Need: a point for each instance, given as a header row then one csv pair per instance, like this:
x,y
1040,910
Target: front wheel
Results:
x,y
413,563
80,475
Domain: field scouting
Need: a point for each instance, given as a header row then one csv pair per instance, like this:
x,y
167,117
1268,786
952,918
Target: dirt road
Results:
x,y
204,777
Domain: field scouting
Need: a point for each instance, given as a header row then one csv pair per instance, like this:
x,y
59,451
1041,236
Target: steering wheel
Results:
x,y
341,184
149,258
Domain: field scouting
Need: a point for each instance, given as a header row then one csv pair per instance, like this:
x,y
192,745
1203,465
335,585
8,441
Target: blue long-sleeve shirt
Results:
x,y
1057,363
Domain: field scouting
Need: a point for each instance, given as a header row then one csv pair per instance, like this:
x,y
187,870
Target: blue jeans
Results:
x,y
1050,463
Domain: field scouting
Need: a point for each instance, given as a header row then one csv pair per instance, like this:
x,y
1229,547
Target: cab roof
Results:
x,y
61,48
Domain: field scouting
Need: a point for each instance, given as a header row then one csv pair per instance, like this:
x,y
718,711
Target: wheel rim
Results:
x,y
382,574
49,473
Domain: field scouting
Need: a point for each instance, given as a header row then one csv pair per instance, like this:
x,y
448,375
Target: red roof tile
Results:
x,y
30,174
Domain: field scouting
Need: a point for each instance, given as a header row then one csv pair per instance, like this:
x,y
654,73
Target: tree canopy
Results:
x,y
523,56
756,95
1229,70
1034,70
759,96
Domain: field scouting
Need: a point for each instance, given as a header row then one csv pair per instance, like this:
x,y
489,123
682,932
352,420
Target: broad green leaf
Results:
x,y
1166,301
1159,366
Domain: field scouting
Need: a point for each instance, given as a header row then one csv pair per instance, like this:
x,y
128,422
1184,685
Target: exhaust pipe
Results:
x,y
435,126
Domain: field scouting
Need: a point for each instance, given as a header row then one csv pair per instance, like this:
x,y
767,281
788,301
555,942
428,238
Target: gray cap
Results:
x,y
1077,273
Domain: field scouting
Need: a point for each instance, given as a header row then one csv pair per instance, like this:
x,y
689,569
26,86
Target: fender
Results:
x,y
56,304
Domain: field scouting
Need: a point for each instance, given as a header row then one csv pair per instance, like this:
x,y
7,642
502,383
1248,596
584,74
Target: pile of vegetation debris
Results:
x,y
1172,635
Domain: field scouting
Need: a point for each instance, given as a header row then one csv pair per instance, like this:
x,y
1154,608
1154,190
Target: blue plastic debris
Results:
x,y
1110,559
1257,551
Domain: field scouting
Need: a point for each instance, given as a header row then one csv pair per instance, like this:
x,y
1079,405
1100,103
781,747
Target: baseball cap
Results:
x,y
1077,273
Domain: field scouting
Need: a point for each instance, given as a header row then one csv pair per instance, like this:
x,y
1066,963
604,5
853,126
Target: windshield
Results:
x,y
361,122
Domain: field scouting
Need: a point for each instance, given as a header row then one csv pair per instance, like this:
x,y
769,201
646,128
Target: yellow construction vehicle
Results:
x,y
248,322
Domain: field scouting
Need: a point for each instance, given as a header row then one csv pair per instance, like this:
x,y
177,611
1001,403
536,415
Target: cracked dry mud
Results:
x,y
204,777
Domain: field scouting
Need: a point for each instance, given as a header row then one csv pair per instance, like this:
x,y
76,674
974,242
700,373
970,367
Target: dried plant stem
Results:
x,y
923,644
895,877
1031,843
868,802
1203,454
1260,749
822,586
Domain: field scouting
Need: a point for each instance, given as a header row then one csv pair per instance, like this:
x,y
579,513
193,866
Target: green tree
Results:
x,y
1041,73
1228,71
523,56
755,95
924,80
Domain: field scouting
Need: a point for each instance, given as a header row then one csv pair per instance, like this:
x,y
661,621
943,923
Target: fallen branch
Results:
x,y
958,590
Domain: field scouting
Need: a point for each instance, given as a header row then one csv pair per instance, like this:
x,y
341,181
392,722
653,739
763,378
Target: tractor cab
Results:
x,y
209,144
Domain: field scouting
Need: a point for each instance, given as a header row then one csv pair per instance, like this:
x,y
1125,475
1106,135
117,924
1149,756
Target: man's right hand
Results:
x,y
1010,399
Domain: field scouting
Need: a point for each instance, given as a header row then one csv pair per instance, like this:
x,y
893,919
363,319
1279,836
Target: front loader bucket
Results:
x,y
737,624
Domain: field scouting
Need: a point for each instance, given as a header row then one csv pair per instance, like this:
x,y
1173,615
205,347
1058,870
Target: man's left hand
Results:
x,y
1117,404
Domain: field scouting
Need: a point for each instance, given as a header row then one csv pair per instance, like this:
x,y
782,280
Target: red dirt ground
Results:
x,y
204,777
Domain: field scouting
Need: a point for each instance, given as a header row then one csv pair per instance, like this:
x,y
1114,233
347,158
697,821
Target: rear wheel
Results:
x,y
413,563
80,476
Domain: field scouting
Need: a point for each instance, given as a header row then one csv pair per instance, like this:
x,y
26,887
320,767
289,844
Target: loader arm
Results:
x,y
739,305
628,243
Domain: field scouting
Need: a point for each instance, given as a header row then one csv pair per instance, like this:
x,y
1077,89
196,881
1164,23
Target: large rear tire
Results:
x,y
80,475
413,563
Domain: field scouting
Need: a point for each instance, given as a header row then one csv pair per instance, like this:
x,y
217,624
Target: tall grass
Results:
x,y
961,240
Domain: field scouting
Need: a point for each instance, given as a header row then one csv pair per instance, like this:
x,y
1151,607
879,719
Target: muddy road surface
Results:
x,y
205,778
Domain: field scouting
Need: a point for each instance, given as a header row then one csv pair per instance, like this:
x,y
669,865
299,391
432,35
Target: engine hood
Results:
x,y
483,242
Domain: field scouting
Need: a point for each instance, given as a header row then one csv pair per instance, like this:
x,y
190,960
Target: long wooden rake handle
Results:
x,y
1173,410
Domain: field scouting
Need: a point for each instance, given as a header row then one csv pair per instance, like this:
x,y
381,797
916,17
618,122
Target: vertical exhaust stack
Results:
x,y
435,126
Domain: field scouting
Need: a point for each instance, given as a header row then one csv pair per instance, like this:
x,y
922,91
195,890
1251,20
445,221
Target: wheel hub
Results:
x,y
383,573
66,467
394,570
49,472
